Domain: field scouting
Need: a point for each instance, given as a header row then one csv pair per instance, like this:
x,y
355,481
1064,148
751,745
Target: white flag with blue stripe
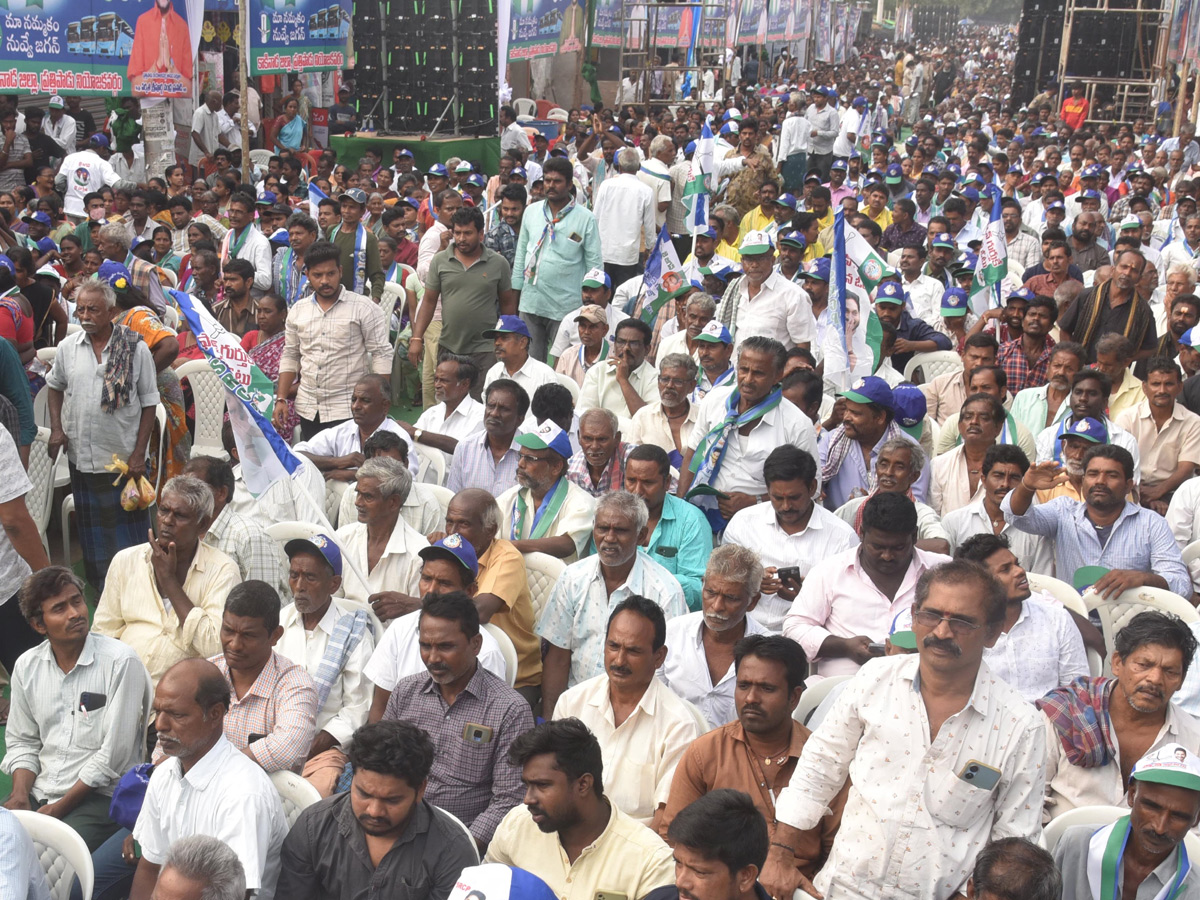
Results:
x,y
696,195
315,196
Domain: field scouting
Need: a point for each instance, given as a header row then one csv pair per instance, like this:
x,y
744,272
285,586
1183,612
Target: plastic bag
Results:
x,y
137,493
146,489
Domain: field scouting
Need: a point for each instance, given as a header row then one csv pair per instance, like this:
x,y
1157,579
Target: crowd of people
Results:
x,y
549,639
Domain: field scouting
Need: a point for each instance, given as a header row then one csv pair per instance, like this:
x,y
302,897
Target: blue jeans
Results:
x,y
113,874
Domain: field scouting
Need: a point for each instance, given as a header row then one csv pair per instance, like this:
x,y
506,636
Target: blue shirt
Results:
x,y
562,262
473,466
914,329
681,544
1140,539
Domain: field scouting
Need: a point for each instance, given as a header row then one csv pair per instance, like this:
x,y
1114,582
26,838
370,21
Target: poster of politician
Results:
x,y
298,36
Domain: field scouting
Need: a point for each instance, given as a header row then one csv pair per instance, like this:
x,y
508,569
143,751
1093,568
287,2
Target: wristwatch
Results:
x,y
417,432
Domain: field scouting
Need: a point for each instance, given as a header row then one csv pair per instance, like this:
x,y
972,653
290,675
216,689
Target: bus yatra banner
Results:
x,y
298,36
142,47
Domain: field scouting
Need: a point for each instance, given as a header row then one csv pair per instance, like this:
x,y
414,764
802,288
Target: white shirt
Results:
x,y
756,526
641,753
62,132
207,124
625,211
1185,524
398,569
349,698
514,136
1043,650
950,482
256,250
568,328
780,310
839,599
742,467
1116,435
842,144
1035,553
531,376
85,172
926,296
911,828
465,420
793,136
344,439
225,794
656,176
399,656
685,670
600,388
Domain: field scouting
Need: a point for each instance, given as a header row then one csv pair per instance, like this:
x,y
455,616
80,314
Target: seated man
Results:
x,y
421,508
1097,728
677,536
955,476
165,599
1016,867
456,414
1040,407
714,348
201,866
575,617
273,708
286,500
381,545
848,601
546,512
511,336
642,726
946,393
849,452
381,836
591,348
471,715
1089,400
333,643
668,421
699,666
501,585
566,812
898,464
1039,648
1149,859
600,465
737,429
1075,441
792,532
80,702
241,538
1133,544
338,451
488,459
21,874
448,566
770,679
1004,465
204,787
987,380
627,380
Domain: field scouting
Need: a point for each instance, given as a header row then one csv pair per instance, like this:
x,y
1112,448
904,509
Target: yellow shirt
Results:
x,y
627,860
827,221
883,220
1128,394
728,251
132,610
502,572
755,220
1161,450
813,251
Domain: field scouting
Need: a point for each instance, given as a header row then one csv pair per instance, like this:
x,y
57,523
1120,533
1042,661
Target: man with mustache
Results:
x,y
627,380
385,834
957,783
488,459
957,474
599,466
642,725
1132,544
1039,407
1168,434
1090,390
471,715
1098,728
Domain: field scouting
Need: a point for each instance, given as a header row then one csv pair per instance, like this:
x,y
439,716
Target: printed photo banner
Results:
x,y
607,30
824,31
298,35
778,19
713,30
750,22
544,28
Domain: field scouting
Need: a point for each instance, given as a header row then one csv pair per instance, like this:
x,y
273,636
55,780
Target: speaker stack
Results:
x,y
1100,50
368,64
935,23
1039,40
477,87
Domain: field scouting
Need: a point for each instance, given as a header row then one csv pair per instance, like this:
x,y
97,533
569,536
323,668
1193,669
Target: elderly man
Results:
x,y
546,512
987,380
591,346
456,415
201,866
512,342
1168,434
669,420
165,598
1113,306
1090,390
955,476
333,643
770,673
80,702
942,703
103,392
625,210
574,618
846,604
699,665
1096,728
488,459
627,380
246,242
113,243
735,433
599,466
642,726
330,335
381,546
241,538
791,532
765,303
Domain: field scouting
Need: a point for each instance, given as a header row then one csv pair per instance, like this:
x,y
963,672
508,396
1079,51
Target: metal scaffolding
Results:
x,y
652,28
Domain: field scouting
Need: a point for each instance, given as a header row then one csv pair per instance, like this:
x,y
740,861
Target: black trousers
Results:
x,y
15,634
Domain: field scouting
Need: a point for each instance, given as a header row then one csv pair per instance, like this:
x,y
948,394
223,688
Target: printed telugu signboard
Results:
x,y
298,35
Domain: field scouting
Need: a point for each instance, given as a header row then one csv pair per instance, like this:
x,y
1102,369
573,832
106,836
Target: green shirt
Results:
x,y
344,240
470,298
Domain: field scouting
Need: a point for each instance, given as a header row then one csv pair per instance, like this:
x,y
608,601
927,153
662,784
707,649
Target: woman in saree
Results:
x,y
265,347
292,133
164,347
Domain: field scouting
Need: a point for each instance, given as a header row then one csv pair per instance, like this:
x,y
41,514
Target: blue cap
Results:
x,y
1018,139
690,148
708,232
268,198
453,547
714,333
729,128
793,237
318,543
1020,294
411,201
509,325
840,165
476,179
870,389
943,239
954,302
858,102
499,882
1190,338
895,174
890,292
788,200
98,140
46,245
970,194
955,169
358,195
559,150
437,169
519,172
1089,429
280,237
40,217
1015,170
910,407
597,278
1092,171
547,436
1057,204
819,270
973,177
114,275
7,265
814,175
405,152
912,141
1089,194
724,271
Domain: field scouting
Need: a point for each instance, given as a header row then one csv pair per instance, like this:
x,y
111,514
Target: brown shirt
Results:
x,y
237,322
722,759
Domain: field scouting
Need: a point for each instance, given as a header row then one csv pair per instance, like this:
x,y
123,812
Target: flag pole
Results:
x,y
243,64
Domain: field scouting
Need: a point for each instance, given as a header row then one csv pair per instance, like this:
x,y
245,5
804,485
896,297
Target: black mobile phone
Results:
x,y
789,573
90,702
256,737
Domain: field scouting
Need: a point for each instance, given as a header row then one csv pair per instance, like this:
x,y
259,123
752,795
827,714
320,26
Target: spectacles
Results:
x,y
622,342
927,618
674,382
529,459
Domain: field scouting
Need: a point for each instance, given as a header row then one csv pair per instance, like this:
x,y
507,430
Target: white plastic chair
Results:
x,y
210,397
295,794
525,107
932,365
444,496
61,851
1191,553
569,383
260,158
543,570
1060,591
41,416
557,114
467,831
376,624
432,467
40,499
47,354
812,697
507,650
702,722
1081,815
1115,614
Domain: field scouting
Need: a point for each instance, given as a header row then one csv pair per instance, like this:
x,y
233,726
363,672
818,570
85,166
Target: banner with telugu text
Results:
x,y
799,26
607,30
778,17
749,22
298,35
840,19
824,31
536,25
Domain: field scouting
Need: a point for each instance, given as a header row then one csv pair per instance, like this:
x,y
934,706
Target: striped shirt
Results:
x,y
474,466
246,542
